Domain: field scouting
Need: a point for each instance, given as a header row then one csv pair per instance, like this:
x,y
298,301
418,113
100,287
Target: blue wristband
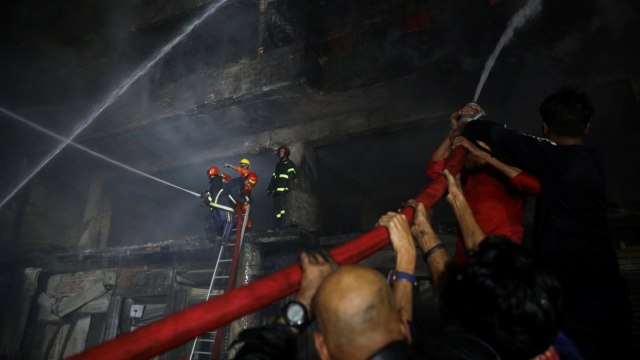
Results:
x,y
399,275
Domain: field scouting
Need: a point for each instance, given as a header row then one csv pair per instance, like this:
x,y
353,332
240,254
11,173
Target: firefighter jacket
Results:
x,y
215,184
243,172
282,177
228,195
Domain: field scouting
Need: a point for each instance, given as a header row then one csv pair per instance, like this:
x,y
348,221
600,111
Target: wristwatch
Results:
x,y
295,314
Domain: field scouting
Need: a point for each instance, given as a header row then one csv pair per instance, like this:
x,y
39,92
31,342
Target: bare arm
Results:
x,y
426,239
509,171
472,234
405,250
443,150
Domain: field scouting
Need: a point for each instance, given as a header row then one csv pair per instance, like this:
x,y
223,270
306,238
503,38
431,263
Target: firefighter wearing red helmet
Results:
x,y
221,200
281,183
213,171
215,182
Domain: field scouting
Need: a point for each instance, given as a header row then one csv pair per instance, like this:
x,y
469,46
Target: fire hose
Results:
x,y
180,327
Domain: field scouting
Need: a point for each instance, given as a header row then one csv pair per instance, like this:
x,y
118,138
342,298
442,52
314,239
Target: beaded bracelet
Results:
x,y
430,252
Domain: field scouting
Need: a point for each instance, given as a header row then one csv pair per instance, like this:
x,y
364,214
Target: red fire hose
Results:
x,y
180,327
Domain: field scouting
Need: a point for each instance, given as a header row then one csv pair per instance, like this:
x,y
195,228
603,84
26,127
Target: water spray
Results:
x,y
528,11
141,70
103,157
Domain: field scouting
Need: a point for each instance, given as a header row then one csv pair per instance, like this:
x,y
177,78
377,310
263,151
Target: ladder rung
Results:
x,y
202,352
207,340
221,277
225,260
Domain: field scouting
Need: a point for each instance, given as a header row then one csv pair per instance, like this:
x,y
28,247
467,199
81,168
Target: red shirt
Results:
x,y
496,201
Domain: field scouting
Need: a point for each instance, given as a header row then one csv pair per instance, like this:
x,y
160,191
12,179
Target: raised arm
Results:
x,y
405,250
529,153
434,252
443,150
518,179
472,234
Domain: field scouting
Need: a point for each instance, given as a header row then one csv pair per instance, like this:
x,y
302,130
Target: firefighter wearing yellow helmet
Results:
x,y
250,180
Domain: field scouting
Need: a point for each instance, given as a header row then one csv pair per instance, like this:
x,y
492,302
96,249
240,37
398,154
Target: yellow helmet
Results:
x,y
245,162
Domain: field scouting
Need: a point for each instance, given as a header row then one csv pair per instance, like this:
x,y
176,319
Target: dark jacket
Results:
x,y
282,177
228,195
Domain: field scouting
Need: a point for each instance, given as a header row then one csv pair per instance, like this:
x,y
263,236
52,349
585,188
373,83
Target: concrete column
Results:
x,y
97,219
262,27
249,269
303,206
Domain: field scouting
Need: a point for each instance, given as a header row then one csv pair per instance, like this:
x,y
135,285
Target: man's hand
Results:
x,y
315,268
421,219
473,149
401,239
228,165
453,120
454,188
455,117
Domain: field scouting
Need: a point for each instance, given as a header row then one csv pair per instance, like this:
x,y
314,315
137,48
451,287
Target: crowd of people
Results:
x,y
563,298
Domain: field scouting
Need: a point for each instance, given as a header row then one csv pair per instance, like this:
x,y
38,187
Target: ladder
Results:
x,y
204,346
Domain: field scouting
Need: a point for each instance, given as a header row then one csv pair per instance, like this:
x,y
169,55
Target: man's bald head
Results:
x,y
356,313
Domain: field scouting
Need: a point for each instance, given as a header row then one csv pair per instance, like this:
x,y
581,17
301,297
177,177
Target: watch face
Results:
x,y
295,313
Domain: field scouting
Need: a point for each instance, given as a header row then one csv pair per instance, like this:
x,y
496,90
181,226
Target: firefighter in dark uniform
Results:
x,y
222,199
215,179
281,183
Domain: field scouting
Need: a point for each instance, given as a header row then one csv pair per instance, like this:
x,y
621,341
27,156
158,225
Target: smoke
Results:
x,y
124,86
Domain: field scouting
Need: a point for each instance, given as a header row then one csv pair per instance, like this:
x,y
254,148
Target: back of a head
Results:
x,y
502,298
356,312
567,112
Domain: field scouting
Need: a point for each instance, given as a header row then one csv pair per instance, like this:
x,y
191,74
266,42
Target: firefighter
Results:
x,y
222,201
215,184
215,179
281,183
250,182
242,168
252,178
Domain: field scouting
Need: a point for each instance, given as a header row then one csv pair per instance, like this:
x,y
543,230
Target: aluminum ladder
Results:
x,y
204,345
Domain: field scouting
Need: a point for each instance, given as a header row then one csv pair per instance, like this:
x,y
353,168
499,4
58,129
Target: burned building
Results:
x,y
111,113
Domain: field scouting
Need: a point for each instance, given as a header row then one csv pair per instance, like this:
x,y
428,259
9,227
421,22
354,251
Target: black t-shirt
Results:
x,y
570,224
570,230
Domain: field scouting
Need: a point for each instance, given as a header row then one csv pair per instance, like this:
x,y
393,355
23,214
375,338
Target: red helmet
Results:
x,y
226,177
252,179
213,171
